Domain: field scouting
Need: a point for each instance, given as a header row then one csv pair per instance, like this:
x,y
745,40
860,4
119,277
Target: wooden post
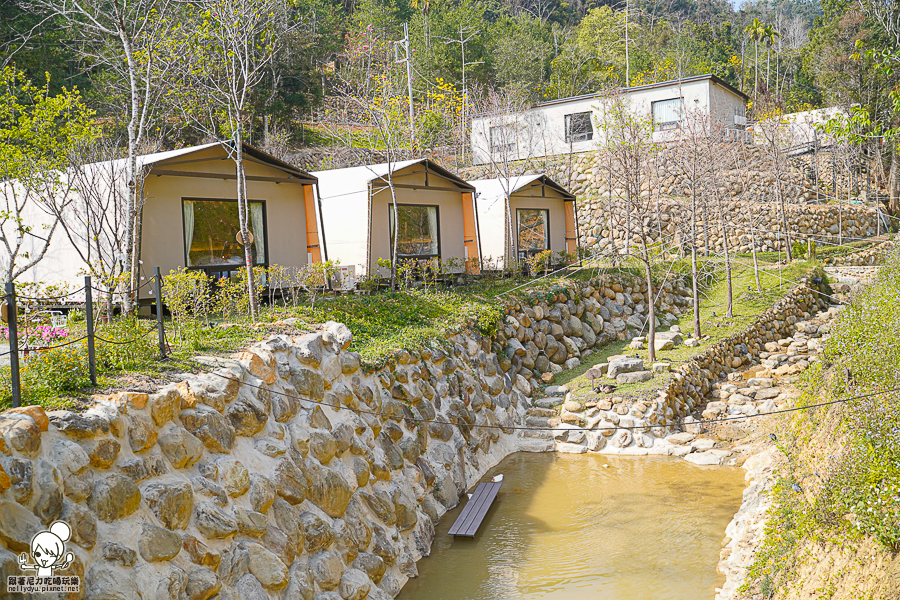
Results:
x,y
89,320
13,345
160,327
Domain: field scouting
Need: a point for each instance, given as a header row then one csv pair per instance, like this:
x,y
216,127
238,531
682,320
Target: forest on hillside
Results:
x,y
789,55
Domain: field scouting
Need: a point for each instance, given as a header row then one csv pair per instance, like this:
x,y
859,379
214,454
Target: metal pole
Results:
x,y
13,345
160,328
89,319
412,117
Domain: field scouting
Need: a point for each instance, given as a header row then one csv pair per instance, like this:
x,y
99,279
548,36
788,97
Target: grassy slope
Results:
x,y
748,305
382,323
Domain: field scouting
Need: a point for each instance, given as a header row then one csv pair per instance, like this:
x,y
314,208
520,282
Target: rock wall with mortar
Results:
x,y
288,471
234,484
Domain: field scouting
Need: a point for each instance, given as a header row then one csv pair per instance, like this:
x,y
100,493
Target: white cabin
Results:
x,y
436,215
543,218
570,125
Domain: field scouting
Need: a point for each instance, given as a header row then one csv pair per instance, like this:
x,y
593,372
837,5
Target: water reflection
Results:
x,y
565,527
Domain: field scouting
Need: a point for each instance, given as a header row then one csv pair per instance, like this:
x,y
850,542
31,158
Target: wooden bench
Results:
x,y
469,520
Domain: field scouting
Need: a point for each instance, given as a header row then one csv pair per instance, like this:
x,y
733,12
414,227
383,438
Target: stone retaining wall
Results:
x,y
554,332
604,225
870,257
748,188
291,472
590,424
694,380
750,179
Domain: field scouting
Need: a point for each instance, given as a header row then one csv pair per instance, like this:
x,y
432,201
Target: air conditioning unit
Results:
x,y
345,278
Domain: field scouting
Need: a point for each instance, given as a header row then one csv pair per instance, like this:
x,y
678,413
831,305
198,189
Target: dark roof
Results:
x,y
301,175
713,78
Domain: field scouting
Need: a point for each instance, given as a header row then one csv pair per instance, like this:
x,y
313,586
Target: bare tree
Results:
x,y
769,128
507,137
373,114
738,156
226,48
629,140
96,219
690,164
716,193
125,36
29,209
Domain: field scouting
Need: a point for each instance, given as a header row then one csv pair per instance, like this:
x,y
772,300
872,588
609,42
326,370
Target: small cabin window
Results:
x,y
503,139
533,230
667,114
212,233
418,229
579,127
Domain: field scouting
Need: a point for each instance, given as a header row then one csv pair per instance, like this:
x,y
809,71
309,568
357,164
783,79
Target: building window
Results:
x,y
667,114
533,230
212,233
418,231
502,139
579,127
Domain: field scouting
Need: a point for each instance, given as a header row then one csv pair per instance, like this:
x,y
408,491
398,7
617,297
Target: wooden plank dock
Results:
x,y
469,520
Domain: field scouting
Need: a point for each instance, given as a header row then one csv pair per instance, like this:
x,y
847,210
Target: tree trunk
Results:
x,y
694,284
755,69
780,197
131,170
396,230
651,308
729,311
243,217
894,180
696,292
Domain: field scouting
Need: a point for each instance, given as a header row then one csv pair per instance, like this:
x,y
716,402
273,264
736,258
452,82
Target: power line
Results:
x,y
682,422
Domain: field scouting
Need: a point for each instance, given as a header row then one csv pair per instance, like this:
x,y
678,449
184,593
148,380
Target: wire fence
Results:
x,y
22,348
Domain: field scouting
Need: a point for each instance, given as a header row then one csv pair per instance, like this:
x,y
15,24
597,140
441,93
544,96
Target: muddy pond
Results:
x,y
566,527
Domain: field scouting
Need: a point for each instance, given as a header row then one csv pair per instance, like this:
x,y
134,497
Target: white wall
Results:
x,y
543,131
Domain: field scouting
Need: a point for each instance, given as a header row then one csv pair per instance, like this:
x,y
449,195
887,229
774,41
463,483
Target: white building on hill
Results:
x,y
571,124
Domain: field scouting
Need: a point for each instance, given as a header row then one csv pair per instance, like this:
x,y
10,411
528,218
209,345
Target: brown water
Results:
x,y
566,528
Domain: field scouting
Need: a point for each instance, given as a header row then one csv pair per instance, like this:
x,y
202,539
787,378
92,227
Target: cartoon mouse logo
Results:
x,y
48,551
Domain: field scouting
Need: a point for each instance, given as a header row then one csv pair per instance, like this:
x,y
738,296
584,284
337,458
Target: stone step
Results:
x,y
536,445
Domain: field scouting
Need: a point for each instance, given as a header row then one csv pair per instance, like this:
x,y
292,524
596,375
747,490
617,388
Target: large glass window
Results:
x,y
212,233
579,127
667,114
418,231
533,230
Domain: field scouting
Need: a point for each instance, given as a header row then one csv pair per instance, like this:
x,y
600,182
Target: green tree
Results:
x,y
757,31
37,132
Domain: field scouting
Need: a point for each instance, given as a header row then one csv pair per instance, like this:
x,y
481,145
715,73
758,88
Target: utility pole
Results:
x,y
408,60
627,64
462,43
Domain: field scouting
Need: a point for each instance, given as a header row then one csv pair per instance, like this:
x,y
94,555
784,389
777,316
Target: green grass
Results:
x,y
382,324
714,326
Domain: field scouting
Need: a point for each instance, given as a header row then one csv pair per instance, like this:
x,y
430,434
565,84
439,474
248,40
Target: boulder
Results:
x,y
624,365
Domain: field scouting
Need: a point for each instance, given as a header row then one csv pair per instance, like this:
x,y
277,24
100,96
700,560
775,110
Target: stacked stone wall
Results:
x,y
604,225
748,186
865,258
291,472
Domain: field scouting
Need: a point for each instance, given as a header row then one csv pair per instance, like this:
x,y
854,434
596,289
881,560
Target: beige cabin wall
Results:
x,y
162,242
450,212
554,204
